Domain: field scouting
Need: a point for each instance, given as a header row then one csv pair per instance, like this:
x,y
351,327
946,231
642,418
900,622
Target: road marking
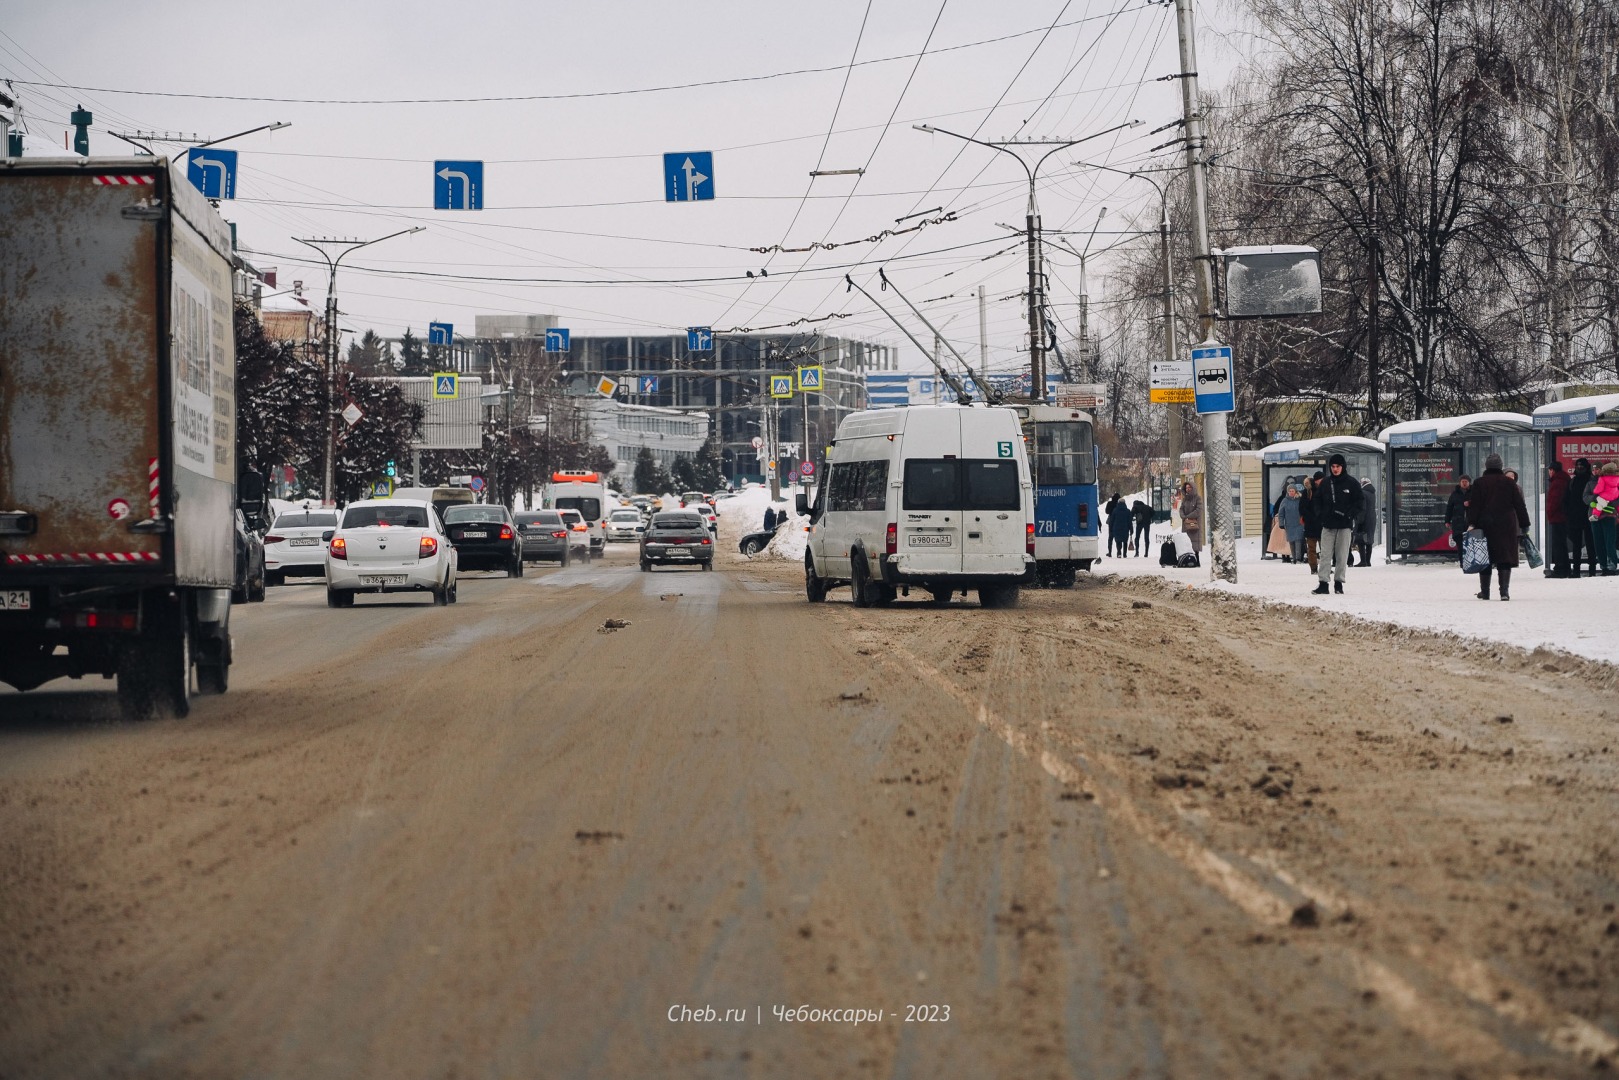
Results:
x,y
1440,1025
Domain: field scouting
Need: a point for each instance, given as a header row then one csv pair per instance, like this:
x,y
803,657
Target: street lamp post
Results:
x,y
1037,369
1176,435
350,246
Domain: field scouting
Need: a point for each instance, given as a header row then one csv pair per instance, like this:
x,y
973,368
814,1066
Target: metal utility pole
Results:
x,y
1031,218
1216,439
983,341
349,247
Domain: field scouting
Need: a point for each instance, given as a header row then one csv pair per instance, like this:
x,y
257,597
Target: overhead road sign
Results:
x,y
1214,389
440,333
809,378
647,384
457,185
781,386
688,177
606,387
556,340
213,172
699,339
446,384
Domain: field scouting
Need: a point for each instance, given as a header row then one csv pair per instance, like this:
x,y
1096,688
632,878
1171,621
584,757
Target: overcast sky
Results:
x,y
573,176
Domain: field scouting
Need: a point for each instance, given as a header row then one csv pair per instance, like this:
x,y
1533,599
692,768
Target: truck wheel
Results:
x,y
814,587
1064,576
998,596
154,675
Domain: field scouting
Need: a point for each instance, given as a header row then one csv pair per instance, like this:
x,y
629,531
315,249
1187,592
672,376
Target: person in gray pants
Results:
x,y
1339,501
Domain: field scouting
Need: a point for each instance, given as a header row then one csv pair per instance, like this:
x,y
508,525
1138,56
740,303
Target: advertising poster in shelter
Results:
x,y
1422,480
1596,447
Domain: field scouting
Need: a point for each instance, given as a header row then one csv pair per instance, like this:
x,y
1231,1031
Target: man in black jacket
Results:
x,y
1581,541
1338,502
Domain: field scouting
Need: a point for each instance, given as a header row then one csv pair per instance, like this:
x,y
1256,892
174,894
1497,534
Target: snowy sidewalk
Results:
x,y
1579,616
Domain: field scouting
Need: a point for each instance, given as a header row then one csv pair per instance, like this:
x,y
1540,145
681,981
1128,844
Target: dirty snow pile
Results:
x,y
1573,615
746,513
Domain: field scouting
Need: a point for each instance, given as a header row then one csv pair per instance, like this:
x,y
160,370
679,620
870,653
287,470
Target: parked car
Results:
x,y
625,523
936,497
545,535
390,545
294,546
485,538
250,574
578,534
677,537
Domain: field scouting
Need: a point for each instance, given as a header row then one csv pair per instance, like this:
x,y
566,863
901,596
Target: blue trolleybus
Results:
x,y
1062,456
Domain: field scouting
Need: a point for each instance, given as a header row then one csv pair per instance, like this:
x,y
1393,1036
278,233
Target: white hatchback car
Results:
x,y
390,545
294,546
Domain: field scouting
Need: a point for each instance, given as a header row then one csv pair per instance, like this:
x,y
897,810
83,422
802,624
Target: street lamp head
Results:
x,y
924,127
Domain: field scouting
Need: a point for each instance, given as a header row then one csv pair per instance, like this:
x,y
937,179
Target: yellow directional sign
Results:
x,y
446,384
781,386
809,378
1172,395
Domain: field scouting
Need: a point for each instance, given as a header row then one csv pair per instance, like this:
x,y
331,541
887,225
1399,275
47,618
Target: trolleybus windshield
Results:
x,y
1062,453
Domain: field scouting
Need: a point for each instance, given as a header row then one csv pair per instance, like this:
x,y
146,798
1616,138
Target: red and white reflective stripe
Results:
x,y
151,483
125,181
81,558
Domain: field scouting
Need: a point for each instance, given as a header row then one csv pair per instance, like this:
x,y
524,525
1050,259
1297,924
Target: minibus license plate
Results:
x,y
929,540
16,600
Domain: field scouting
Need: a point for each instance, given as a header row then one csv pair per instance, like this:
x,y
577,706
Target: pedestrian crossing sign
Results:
x,y
444,384
809,378
781,386
606,387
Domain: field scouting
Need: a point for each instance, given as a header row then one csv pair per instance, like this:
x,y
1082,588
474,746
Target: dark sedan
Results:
x,y
545,535
677,537
484,538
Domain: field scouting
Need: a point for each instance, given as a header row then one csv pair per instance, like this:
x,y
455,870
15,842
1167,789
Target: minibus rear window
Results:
x,y
932,484
951,484
990,485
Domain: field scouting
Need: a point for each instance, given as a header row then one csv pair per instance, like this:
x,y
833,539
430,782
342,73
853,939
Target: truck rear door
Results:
x,y
79,356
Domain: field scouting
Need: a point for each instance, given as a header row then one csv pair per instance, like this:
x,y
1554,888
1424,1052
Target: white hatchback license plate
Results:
x,y
926,540
480,535
303,541
382,579
16,600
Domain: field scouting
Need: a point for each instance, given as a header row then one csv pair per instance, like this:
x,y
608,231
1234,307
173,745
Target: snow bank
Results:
x,y
1573,615
746,513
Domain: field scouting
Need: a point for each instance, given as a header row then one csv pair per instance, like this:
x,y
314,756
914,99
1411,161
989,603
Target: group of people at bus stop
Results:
x,y
1325,520
1579,519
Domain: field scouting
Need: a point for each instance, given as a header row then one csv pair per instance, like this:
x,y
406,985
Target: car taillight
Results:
x,y
506,532
560,535
274,539
340,548
706,540
1028,533
427,548
891,540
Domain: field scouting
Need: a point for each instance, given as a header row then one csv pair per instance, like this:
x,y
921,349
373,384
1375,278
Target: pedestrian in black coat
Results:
x,y
1366,523
1495,506
1456,513
1310,514
1581,541
1141,513
1338,503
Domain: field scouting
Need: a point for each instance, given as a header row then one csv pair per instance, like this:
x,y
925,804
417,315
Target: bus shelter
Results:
x,y
1247,508
1427,458
1582,427
1291,462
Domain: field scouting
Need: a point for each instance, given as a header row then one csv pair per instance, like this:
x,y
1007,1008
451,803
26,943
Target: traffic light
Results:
x,y
391,470
81,120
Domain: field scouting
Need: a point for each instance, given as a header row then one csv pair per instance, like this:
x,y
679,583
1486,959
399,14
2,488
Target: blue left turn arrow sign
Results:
x,y
213,172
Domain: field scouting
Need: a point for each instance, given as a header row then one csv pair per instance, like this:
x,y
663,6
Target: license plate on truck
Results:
x,y
382,579
929,540
16,600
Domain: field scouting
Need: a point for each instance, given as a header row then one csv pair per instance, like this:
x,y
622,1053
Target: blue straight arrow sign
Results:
x,y
457,185
699,339
213,172
688,177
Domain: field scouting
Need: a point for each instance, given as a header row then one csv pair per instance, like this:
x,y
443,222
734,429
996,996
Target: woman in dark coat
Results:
x,y
1310,515
1456,513
1495,505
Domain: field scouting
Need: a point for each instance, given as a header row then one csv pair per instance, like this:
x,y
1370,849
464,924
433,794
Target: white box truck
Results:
x,y
117,430
931,497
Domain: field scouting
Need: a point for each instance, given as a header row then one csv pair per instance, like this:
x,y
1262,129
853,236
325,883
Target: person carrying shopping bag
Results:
x,y
1604,494
1495,507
